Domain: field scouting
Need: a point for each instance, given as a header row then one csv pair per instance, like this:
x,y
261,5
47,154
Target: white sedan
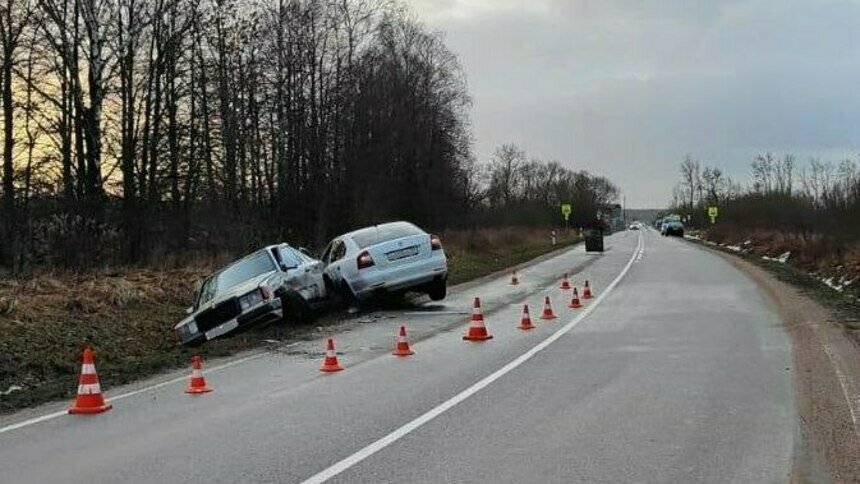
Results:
x,y
388,258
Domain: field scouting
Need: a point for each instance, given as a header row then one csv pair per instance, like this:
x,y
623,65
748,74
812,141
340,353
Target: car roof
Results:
x,y
377,227
276,246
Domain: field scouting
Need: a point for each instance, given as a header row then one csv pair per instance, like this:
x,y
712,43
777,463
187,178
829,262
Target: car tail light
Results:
x,y
266,292
435,242
364,260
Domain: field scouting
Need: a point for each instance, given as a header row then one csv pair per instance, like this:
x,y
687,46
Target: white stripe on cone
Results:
x,y
89,389
88,369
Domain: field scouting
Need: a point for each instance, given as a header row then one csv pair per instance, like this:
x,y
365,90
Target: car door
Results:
x,y
294,268
335,258
312,274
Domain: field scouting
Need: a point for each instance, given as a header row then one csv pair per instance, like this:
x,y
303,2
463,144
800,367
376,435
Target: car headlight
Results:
x,y
251,299
188,329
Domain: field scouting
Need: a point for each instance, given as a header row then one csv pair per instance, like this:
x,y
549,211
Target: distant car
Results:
x,y
260,288
388,258
672,227
634,226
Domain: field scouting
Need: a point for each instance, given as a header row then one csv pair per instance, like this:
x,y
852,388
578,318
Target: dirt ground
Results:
x,y
827,379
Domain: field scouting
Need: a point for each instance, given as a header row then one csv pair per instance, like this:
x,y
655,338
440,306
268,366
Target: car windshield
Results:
x,y
383,233
247,268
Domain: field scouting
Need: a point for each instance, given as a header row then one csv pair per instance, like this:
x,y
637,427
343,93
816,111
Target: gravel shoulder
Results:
x,y
826,379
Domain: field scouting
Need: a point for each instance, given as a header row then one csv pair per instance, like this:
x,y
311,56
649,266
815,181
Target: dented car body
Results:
x,y
273,283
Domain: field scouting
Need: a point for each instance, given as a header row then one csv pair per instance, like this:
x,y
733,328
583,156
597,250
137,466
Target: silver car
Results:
x,y
262,287
388,258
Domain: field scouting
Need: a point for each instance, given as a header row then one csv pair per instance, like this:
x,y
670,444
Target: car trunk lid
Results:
x,y
400,251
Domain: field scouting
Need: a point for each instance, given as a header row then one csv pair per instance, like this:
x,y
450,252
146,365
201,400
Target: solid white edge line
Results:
x,y
401,432
51,416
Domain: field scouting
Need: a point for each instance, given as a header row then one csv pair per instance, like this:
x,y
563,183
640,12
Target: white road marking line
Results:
x,y
401,432
51,416
845,383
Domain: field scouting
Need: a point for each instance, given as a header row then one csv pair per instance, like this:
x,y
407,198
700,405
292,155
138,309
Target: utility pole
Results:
x,y
624,209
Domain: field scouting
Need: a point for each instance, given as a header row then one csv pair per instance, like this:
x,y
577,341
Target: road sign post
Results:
x,y
566,210
713,212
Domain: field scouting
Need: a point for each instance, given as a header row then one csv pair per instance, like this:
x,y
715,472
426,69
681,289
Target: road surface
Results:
x,y
679,371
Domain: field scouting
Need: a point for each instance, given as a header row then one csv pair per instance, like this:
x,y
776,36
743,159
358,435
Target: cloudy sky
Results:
x,y
627,88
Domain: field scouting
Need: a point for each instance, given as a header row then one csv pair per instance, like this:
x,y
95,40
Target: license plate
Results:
x,y
403,253
222,329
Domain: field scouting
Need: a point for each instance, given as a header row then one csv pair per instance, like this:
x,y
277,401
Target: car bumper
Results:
x,y
413,277
265,312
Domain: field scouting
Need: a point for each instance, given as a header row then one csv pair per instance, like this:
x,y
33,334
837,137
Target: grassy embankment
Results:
x,y
127,315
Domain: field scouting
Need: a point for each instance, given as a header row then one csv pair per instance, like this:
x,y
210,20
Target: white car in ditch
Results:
x,y
388,258
270,284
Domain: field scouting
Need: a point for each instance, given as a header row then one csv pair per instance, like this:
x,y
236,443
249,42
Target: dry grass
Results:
x,y
127,315
816,254
474,253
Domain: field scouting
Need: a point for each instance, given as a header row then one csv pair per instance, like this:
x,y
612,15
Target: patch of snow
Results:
x,y
829,282
783,258
12,389
733,248
747,242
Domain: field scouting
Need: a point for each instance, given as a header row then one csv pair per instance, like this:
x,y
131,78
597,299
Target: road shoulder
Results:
x,y
826,379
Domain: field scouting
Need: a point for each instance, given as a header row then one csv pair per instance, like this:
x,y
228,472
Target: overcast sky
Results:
x,y
626,88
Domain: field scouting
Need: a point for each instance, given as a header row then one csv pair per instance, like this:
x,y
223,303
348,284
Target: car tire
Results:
x,y
347,297
340,293
438,289
296,308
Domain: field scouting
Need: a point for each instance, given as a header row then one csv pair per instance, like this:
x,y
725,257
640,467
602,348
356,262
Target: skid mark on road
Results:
x,y
401,432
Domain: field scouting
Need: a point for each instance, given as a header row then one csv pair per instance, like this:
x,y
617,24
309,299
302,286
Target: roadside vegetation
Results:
x,y
135,131
805,216
127,315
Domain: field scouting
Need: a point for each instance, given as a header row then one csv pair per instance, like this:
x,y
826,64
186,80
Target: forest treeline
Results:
x,y
818,196
138,128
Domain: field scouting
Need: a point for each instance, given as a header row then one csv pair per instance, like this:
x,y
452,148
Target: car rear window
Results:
x,y
383,233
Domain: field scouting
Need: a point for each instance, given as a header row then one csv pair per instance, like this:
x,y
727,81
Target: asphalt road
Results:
x,y
680,373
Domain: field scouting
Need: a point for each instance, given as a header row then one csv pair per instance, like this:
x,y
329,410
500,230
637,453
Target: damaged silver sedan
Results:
x,y
270,284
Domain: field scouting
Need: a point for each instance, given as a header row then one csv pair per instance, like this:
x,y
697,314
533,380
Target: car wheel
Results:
x,y
296,308
438,289
346,295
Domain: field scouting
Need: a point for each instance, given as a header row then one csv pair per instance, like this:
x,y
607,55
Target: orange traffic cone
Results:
x,y
547,310
477,330
197,384
514,280
565,283
330,364
574,301
402,347
526,321
89,399
586,291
